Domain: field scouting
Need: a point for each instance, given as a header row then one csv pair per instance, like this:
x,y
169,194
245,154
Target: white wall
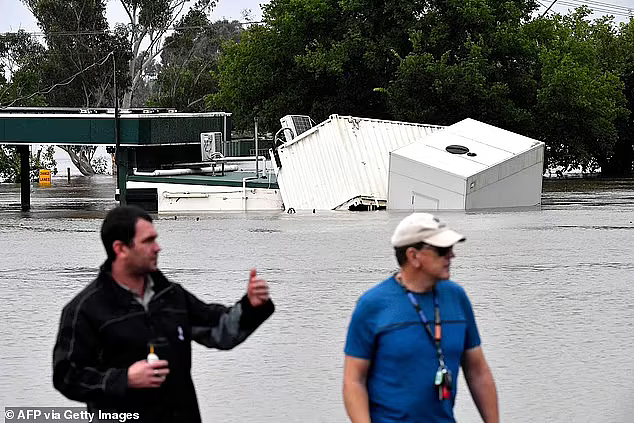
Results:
x,y
195,198
516,182
520,189
415,186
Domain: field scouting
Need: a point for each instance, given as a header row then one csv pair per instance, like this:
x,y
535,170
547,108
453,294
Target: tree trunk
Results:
x,y
127,100
81,157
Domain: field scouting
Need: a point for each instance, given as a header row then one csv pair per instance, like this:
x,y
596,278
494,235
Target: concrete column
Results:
x,y
25,180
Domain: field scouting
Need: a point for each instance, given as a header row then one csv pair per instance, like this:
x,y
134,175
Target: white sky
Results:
x,y
16,16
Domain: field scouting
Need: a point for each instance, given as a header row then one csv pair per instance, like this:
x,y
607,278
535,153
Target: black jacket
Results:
x,y
104,330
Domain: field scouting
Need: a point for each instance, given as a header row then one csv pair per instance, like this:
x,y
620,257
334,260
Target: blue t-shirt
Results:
x,y
386,329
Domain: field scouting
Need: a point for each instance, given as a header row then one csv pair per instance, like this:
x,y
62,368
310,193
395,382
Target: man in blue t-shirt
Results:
x,y
410,334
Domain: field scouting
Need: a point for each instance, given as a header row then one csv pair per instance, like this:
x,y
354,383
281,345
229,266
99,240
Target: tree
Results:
x,y
581,96
10,169
554,79
80,46
258,73
431,61
149,23
313,57
20,55
185,76
137,43
79,43
77,34
469,59
622,161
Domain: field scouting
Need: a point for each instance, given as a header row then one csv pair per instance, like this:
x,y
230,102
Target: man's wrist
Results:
x,y
115,382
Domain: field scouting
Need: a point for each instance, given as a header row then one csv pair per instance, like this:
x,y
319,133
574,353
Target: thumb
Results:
x,y
253,274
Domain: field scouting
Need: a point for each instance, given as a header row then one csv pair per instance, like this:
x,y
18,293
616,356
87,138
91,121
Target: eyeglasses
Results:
x,y
441,251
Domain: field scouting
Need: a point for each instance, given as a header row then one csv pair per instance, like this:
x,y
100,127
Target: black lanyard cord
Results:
x,y
435,336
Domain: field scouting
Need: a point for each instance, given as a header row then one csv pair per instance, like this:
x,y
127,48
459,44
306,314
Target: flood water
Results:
x,y
552,289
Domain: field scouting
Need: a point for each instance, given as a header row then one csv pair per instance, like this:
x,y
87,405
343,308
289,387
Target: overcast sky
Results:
x,y
16,16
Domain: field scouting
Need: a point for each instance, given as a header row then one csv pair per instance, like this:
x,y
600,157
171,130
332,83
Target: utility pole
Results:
x,y
121,176
255,139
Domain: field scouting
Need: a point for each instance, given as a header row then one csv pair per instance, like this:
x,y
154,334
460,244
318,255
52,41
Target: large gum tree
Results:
x,y
77,35
80,51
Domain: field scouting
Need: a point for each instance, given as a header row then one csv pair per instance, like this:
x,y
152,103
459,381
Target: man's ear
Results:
x,y
119,247
411,257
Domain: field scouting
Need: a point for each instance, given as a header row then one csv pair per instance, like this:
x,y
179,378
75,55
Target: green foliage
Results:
x,y
252,75
69,53
154,13
188,61
553,79
73,68
10,163
20,54
469,59
622,60
148,26
100,165
581,97
562,79
310,57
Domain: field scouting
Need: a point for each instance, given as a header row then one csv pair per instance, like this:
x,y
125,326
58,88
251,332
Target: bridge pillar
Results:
x,y
25,180
123,165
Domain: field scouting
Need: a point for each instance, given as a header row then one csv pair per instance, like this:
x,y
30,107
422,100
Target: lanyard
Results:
x,y
436,336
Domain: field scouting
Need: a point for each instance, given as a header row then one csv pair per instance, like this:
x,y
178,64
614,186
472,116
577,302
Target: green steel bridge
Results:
x,y
123,131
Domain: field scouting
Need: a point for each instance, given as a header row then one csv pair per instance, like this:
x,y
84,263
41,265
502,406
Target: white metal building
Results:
x,y
342,162
468,165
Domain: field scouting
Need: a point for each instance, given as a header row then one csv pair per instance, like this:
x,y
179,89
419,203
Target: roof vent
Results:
x,y
457,149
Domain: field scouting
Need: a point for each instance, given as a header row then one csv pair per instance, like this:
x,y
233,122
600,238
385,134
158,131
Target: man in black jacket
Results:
x,y
107,331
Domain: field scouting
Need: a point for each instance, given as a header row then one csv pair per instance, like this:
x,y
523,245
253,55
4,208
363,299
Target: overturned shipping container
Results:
x,y
342,163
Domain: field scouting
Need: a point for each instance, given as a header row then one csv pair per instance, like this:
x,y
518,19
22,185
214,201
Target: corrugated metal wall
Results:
x,y
340,159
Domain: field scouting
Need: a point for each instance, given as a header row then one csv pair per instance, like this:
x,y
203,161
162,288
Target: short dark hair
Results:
x,y
401,258
120,225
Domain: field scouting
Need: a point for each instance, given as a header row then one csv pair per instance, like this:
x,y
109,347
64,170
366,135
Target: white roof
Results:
x,y
491,145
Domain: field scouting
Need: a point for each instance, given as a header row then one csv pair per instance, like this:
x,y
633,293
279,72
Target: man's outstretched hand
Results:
x,y
257,290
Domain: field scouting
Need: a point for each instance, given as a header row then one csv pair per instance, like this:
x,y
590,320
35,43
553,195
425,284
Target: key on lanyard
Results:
x,y
443,383
438,379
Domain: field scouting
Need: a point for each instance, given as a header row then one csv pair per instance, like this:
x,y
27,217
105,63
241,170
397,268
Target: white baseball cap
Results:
x,y
424,227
